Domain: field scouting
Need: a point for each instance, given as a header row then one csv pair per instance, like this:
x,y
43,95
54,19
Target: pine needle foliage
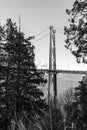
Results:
x,y
19,77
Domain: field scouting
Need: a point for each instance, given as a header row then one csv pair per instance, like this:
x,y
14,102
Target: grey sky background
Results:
x,y
36,16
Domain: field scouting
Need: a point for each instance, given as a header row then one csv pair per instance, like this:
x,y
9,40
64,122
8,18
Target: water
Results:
x,y
64,82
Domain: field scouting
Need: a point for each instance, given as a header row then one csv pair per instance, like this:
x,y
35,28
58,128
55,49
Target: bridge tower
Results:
x,y
52,67
52,72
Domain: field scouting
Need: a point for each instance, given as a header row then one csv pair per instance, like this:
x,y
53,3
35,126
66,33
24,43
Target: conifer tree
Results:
x,y
19,79
79,106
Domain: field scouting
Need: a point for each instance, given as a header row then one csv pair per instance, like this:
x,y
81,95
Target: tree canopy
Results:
x,y
20,95
79,106
76,32
76,42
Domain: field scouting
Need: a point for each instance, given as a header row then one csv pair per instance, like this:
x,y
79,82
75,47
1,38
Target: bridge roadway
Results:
x,y
63,71
54,71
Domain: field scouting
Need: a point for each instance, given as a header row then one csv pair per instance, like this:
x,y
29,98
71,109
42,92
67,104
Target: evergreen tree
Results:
x,y
76,109
79,106
19,79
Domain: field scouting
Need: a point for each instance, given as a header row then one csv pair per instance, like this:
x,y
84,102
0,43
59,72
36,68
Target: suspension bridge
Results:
x,y
52,71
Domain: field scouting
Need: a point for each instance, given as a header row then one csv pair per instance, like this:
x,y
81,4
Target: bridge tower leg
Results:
x,y
52,76
52,67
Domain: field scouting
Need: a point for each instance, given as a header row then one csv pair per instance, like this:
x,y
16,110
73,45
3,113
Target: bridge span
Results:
x,y
63,71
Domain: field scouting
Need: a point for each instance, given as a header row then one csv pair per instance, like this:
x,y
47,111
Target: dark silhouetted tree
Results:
x,y
20,95
77,43
76,32
79,106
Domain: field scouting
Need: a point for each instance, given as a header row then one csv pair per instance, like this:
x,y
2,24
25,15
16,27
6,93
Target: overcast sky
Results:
x,y
36,16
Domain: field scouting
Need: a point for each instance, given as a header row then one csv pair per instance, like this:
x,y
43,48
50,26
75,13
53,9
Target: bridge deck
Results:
x,y
63,71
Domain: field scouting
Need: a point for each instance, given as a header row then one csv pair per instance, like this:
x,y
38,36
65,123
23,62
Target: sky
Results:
x,y
37,16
